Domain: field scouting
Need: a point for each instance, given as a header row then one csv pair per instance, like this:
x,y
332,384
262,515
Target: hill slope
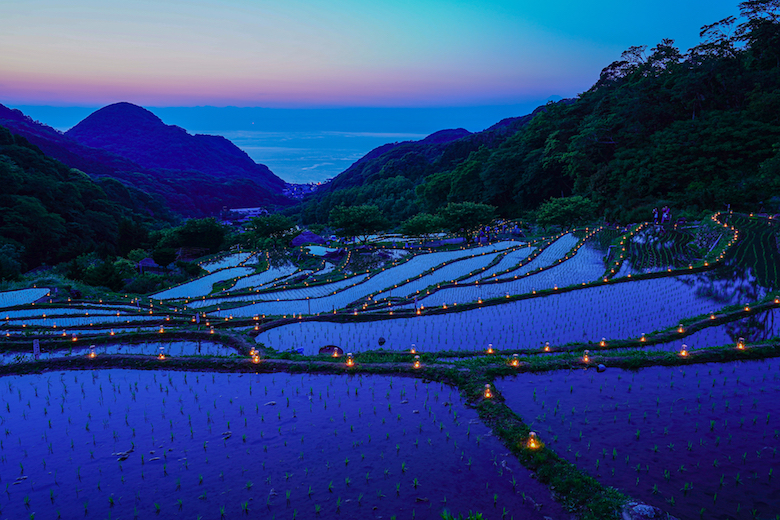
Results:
x,y
50,212
190,193
138,135
695,131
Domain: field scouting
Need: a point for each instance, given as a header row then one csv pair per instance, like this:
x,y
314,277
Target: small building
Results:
x,y
147,265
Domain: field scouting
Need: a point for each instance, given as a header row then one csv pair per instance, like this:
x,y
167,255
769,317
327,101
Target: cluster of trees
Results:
x,y
51,213
694,130
361,221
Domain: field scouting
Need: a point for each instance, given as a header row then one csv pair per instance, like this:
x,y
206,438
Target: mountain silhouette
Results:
x,y
140,136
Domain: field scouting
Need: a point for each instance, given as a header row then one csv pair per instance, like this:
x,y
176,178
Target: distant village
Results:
x,y
293,191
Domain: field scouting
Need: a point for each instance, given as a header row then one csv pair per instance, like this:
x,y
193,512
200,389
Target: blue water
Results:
x,y
303,157
307,145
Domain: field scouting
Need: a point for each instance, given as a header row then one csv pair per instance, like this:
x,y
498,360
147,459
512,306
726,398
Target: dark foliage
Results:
x,y
695,131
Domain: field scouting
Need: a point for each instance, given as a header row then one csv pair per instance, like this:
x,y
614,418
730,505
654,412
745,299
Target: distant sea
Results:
x,y
304,157
303,145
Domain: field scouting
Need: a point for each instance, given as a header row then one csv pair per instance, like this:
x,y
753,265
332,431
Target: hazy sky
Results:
x,y
305,53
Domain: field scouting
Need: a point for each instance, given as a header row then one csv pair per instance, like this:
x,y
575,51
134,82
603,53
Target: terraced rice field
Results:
x,y
233,420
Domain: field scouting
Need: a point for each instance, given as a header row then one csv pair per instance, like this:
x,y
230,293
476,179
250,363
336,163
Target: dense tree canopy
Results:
x,y
695,130
357,221
50,213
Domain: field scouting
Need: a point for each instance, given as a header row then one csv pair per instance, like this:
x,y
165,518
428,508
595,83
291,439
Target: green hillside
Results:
x,y
51,213
695,130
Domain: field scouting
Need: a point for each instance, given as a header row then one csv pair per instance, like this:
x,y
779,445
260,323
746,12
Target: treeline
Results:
x,y
50,213
695,131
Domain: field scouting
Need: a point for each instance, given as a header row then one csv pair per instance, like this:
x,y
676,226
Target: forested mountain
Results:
x,y
50,212
137,134
171,184
694,130
389,175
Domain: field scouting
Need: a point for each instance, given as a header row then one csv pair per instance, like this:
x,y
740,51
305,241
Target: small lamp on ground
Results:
x,y
161,355
487,394
92,353
490,348
533,442
684,350
350,360
586,357
603,342
416,363
515,360
413,350
741,343
547,346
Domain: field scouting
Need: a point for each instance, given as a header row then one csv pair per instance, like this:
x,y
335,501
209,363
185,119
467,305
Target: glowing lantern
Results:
x,y
416,363
533,442
712,315
92,352
680,328
255,359
747,308
586,357
684,350
741,343
603,342
112,332
211,330
643,338
413,350
490,348
161,329
515,361
161,355
350,360
547,346
487,393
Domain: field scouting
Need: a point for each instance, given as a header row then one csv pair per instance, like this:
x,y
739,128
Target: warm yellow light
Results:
x,y
680,328
603,342
547,346
533,442
487,393
741,343
255,359
350,360
515,361
684,350
490,348
586,357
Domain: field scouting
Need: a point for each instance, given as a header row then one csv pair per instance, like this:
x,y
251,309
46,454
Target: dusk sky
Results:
x,y
304,53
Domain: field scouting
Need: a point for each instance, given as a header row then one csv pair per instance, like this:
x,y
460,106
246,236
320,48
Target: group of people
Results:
x,y
664,217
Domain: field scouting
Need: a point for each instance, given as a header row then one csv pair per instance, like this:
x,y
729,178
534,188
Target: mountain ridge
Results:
x,y
189,192
135,133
